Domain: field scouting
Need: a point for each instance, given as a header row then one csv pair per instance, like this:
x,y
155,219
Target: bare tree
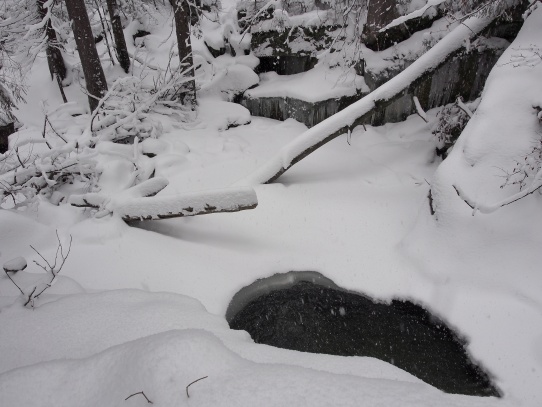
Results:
x,y
181,13
118,34
90,61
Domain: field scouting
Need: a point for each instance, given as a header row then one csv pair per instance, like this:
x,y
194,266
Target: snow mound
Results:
x,y
163,365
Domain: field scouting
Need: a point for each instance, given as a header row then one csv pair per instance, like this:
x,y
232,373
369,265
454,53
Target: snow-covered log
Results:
x,y
361,111
192,204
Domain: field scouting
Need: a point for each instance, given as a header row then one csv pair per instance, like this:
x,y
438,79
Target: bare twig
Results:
x,y
39,254
195,381
7,274
139,392
43,133
54,131
18,157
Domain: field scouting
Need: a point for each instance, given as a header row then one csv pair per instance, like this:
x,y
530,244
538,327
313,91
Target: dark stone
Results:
x,y
5,132
286,64
309,113
274,46
313,318
508,24
140,33
215,52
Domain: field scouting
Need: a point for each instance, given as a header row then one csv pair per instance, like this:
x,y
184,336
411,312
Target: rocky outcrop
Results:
x,y
309,113
463,75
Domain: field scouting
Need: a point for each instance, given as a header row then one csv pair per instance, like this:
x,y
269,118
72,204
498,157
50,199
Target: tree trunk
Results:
x,y
140,203
361,111
118,34
54,56
181,12
92,68
190,204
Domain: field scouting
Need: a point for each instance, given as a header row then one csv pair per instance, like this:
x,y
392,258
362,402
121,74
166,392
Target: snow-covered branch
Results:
x,y
536,184
415,14
361,111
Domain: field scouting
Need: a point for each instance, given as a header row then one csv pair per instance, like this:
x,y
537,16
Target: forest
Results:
x,y
372,172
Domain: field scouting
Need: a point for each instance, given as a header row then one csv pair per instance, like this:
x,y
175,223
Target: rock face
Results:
x,y
309,113
313,318
462,75
286,64
379,40
291,51
379,14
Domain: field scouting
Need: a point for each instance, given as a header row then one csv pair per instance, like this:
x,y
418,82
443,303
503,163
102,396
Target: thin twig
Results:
x,y
39,254
30,298
14,282
43,134
139,392
195,381
54,131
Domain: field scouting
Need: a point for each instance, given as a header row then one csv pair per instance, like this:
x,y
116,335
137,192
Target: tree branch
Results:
x,y
195,381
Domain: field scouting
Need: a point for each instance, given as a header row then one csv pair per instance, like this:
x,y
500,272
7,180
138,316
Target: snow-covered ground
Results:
x,y
141,308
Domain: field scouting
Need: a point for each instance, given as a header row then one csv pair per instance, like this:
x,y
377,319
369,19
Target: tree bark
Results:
x,y
90,61
54,56
181,13
118,34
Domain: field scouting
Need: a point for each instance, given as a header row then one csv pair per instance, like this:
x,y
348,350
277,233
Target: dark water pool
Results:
x,y
310,317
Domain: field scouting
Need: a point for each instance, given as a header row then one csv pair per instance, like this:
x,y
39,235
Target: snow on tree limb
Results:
x,y
487,209
140,202
360,111
191,204
415,14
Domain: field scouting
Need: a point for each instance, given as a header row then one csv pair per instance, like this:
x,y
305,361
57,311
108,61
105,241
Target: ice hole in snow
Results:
x,y
305,311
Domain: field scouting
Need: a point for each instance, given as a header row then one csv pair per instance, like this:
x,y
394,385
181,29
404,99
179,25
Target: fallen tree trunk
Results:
x,y
196,203
361,111
141,203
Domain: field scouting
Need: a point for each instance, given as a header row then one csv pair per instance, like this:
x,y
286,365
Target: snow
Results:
x,y
415,14
332,83
16,264
163,365
141,308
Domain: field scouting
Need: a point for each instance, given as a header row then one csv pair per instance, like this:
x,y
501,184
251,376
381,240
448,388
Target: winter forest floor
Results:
x,y
140,307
